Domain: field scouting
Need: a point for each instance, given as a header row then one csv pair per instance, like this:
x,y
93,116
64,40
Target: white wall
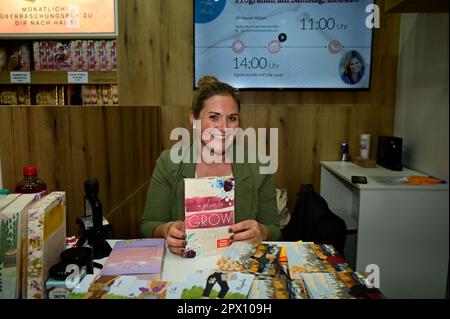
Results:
x,y
422,93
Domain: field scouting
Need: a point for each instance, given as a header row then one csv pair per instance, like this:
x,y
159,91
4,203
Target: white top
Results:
x,y
377,177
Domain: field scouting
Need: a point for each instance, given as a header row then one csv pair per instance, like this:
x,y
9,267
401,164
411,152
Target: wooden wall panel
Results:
x,y
116,145
156,52
415,6
139,45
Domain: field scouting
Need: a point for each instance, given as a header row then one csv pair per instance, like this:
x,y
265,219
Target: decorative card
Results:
x,y
261,259
308,257
339,285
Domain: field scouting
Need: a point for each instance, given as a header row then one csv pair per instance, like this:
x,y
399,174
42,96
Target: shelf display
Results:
x,y
51,65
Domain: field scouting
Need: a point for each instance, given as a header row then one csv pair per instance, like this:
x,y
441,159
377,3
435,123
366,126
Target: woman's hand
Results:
x,y
250,231
176,237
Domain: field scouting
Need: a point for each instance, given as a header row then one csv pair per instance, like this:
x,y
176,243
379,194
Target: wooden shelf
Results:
x,y
60,77
416,6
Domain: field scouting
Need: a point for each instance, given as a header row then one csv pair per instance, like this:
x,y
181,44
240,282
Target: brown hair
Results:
x,y
347,60
209,86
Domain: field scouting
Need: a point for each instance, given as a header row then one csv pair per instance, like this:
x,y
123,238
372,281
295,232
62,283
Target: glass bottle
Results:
x,y
31,184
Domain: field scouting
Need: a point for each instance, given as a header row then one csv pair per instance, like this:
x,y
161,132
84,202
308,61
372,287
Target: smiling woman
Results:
x,y
352,67
215,114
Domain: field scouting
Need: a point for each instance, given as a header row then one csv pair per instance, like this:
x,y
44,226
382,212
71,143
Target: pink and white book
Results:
x,y
209,211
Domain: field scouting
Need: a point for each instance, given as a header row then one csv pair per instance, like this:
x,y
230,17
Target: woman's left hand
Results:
x,y
250,231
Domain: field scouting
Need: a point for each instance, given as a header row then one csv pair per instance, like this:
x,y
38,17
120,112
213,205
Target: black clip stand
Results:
x,y
96,232
95,240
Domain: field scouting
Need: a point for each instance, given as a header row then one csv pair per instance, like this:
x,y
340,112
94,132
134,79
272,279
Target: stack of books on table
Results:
x,y
243,271
32,237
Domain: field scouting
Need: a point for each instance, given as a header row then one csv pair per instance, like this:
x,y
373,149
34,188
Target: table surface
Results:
x,y
377,177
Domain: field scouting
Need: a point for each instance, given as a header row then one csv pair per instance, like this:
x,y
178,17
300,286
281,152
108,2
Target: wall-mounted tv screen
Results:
x,y
284,44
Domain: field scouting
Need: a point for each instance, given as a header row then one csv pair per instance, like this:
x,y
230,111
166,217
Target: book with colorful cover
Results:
x,y
261,259
339,285
124,287
271,288
297,289
209,211
46,241
308,257
13,234
19,56
158,289
137,256
216,284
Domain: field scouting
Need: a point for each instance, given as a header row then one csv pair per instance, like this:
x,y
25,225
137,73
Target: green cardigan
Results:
x,y
255,195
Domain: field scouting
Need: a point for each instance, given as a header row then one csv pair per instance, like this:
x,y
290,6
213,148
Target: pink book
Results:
x,y
209,211
136,256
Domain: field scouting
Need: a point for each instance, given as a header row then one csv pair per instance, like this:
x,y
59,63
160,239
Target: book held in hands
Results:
x,y
209,211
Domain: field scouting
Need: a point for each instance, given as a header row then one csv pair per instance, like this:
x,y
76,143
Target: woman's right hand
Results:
x,y
176,237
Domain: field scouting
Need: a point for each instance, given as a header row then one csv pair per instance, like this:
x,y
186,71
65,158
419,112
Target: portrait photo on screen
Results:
x,y
256,44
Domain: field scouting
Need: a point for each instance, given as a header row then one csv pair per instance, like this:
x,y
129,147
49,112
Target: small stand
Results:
x,y
95,238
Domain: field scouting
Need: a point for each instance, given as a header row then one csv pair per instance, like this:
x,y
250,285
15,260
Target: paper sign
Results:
x,y
77,77
20,77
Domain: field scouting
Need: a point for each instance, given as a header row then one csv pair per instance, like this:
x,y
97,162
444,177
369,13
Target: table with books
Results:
x,y
269,270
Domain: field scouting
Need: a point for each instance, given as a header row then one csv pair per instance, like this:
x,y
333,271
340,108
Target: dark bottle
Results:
x,y
31,184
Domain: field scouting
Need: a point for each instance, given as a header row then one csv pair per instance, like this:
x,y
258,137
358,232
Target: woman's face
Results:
x,y
355,65
219,117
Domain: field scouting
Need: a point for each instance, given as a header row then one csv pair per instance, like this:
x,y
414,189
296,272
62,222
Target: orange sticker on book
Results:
x,y
221,243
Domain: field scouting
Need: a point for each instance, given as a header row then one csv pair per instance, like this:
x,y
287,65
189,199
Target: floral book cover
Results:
x,y
137,256
308,257
339,285
209,211
260,259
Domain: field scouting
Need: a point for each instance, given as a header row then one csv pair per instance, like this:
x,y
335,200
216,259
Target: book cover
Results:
x,y
19,56
297,289
124,287
209,211
104,287
308,257
23,95
8,199
261,259
339,285
8,95
46,241
138,256
13,232
61,56
158,289
44,95
3,58
269,289
215,284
